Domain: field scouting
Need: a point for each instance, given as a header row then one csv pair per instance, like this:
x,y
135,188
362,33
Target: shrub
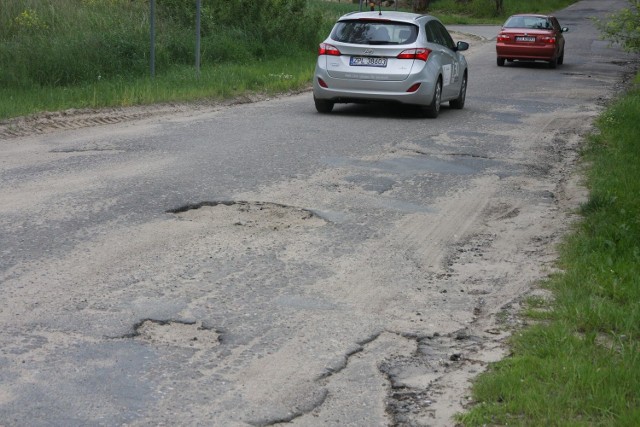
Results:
x,y
624,27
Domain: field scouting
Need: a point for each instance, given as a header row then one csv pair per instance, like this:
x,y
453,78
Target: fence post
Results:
x,y
152,30
198,7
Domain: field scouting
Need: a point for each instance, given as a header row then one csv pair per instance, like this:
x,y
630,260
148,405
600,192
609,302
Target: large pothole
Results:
x,y
249,214
176,333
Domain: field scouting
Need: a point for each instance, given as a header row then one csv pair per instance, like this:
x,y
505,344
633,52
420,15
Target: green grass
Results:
x,y
180,84
483,11
455,11
581,366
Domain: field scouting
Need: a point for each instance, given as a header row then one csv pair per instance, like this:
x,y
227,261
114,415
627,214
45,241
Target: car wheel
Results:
x,y
500,62
561,58
323,106
432,110
458,103
553,63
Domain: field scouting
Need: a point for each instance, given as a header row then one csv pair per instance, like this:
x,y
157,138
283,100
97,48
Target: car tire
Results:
x,y
323,106
553,63
458,103
432,110
561,58
500,62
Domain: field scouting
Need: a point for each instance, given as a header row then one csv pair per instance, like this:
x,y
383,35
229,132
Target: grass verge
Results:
x,y
180,84
580,364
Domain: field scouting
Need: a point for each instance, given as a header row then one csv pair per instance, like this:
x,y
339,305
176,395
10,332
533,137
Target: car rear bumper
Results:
x,y
547,52
362,90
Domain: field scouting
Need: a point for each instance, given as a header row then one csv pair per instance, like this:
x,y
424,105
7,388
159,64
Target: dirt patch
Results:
x,y
249,214
175,333
46,122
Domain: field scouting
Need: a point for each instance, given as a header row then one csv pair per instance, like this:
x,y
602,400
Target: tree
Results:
x,y
623,27
421,6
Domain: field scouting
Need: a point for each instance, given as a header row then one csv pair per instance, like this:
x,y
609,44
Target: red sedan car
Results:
x,y
529,38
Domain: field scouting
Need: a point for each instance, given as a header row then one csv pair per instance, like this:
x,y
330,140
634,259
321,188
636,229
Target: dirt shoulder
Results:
x,y
46,122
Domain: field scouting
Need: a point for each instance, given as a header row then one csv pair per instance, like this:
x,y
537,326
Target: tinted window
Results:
x,y
374,32
445,36
431,36
437,33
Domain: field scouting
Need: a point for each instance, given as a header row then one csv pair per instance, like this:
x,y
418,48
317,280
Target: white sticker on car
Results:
x,y
446,75
456,72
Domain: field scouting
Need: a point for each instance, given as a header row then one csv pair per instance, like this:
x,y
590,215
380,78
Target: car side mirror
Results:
x,y
460,46
565,29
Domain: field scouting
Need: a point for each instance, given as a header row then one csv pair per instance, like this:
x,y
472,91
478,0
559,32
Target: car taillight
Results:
x,y
419,53
414,87
548,39
327,49
502,38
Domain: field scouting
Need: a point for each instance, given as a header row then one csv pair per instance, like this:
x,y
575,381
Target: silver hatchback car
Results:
x,y
390,56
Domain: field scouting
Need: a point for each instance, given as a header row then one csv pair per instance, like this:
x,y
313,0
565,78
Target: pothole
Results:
x,y
176,333
621,63
88,150
249,214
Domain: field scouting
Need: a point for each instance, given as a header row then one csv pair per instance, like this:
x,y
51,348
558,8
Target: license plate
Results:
x,y
525,39
367,61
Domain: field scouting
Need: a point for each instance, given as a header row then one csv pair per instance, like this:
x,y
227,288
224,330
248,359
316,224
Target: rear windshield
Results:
x,y
374,32
532,22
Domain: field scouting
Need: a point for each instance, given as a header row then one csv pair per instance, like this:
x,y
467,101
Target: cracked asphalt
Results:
x,y
255,263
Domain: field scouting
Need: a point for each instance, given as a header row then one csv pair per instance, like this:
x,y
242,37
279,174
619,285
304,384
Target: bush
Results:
x,y
624,27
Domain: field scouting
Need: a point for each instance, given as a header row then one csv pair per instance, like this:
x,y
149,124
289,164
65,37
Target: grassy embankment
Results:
x,y
579,365
95,53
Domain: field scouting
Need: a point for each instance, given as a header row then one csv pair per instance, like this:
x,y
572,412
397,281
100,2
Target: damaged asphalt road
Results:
x,y
256,264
